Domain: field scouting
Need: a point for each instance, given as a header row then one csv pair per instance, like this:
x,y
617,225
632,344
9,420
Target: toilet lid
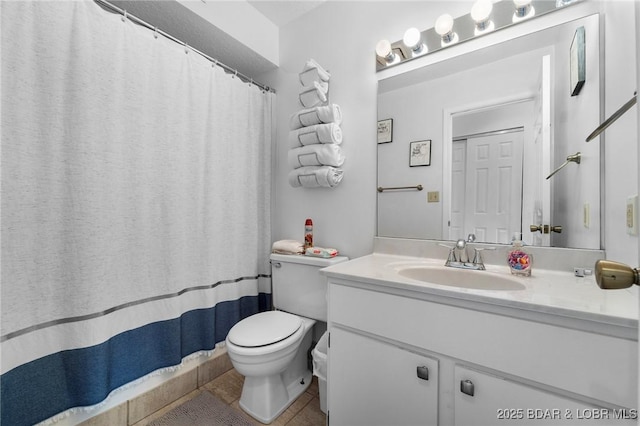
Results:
x,y
263,329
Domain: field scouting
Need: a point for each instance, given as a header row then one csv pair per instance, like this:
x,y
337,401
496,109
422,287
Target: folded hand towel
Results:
x,y
315,177
314,95
317,115
287,247
321,252
313,72
323,154
319,133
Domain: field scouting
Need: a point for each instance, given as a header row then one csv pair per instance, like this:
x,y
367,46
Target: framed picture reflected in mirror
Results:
x,y
420,153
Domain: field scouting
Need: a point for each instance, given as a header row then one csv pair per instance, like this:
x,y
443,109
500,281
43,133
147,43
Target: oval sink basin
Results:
x,y
479,280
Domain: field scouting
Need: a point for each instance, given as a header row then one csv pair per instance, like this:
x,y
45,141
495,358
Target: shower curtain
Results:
x,y
135,205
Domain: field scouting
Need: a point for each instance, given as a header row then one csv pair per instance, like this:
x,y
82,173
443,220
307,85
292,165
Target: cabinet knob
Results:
x,y
466,387
422,372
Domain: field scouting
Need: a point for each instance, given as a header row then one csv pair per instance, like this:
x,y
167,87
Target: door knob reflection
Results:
x,y
545,228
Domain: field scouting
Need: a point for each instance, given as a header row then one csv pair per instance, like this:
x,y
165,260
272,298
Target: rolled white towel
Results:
x,y
287,247
315,177
314,95
313,72
316,115
319,133
323,154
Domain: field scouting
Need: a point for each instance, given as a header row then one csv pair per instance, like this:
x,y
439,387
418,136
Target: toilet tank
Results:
x,y
297,285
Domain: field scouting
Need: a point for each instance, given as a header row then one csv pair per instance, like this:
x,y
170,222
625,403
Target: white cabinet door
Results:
x,y
482,399
374,383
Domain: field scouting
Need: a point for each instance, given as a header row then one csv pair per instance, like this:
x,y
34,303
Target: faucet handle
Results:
x,y
452,256
446,245
477,254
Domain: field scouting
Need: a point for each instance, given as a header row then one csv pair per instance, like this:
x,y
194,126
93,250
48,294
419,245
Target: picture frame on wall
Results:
x,y
577,62
420,153
385,130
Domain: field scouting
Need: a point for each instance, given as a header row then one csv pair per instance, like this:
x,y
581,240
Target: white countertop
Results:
x,y
551,296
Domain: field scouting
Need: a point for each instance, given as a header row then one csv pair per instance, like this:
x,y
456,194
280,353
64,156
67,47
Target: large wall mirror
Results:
x,y
498,120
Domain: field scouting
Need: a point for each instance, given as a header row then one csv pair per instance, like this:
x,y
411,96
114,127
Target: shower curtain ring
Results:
x,y
155,32
124,16
186,48
236,74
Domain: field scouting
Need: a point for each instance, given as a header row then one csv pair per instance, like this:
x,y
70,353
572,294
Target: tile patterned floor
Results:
x,y
305,411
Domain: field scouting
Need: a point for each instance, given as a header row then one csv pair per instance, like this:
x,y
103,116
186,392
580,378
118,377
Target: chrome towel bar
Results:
x,y
381,189
619,113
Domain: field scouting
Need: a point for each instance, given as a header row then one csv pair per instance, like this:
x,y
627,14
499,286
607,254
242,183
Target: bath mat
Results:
x,y
203,410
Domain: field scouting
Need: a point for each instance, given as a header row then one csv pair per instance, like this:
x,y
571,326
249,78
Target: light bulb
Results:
x,y
480,13
481,10
524,10
383,49
444,24
411,37
413,40
444,27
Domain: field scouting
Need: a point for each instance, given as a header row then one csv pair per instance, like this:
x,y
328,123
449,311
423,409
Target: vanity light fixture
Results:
x,y
413,40
486,16
524,10
481,15
384,50
444,27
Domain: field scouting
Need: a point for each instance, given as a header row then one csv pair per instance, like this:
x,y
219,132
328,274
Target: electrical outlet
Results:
x,y
433,197
586,219
632,215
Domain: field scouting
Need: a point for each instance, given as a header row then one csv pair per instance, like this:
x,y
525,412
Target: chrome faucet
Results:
x,y
459,255
460,251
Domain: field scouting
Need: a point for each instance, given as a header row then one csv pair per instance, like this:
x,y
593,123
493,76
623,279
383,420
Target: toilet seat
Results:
x,y
264,329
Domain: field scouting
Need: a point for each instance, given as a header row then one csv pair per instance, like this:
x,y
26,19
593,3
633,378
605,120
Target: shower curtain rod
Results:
x,y
139,21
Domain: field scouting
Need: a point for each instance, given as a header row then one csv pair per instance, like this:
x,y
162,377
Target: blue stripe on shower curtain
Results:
x,y
135,208
85,376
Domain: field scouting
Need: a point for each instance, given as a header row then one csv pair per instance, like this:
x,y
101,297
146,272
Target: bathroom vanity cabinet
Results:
x,y
403,356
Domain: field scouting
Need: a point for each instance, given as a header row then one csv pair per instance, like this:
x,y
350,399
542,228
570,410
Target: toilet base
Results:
x,y
266,397
254,400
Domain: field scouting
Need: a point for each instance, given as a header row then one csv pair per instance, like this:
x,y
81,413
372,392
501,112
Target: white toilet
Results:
x,y
271,348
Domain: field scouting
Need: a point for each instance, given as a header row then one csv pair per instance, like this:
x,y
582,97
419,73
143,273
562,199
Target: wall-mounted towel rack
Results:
x,y
619,113
381,189
575,158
